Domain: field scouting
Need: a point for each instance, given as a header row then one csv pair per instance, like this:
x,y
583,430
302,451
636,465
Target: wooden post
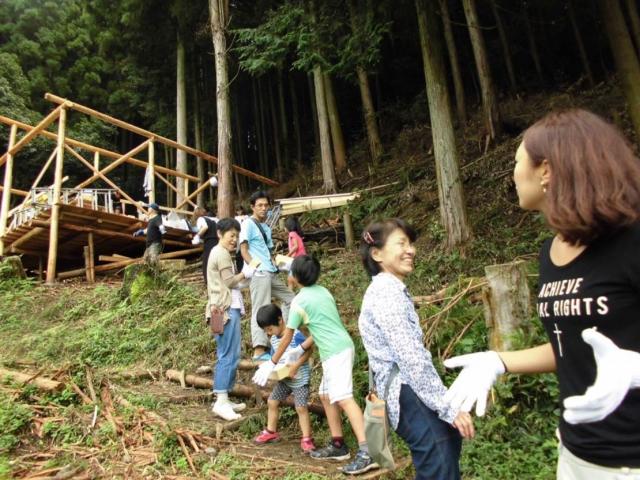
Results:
x,y
87,267
96,160
55,209
348,230
40,268
91,258
507,303
6,192
152,173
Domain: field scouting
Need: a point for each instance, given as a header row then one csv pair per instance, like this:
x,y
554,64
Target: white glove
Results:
x,y
213,181
162,229
248,270
196,240
293,355
479,373
262,374
618,371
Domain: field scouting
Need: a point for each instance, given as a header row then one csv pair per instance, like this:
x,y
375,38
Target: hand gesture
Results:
x,y
618,371
479,373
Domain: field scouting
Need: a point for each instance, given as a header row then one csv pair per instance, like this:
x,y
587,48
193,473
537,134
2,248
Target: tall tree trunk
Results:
x,y
533,47
296,120
240,145
489,99
284,127
264,158
197,130
581,50
219,15
314,110
368,110
634,22
505,47
452,206
181,116
275,131
625,58
454,62
328,172
256,125
339,150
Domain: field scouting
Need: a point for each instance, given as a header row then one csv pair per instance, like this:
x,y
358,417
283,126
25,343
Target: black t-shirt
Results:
x,y
153,230
599,288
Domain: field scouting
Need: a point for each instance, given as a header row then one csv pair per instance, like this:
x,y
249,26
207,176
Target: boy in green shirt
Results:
x,y
315,309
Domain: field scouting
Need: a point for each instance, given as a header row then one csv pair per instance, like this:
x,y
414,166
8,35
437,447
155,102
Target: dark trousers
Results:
x,y
208,245
435,445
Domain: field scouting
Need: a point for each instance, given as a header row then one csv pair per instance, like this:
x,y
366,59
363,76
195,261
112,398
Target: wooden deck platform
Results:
x,y
112,235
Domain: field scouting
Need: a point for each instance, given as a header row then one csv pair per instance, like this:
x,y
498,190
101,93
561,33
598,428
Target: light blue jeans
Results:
x,y
228,353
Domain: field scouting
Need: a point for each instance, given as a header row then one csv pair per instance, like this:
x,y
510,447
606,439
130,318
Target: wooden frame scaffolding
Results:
x,y
42,230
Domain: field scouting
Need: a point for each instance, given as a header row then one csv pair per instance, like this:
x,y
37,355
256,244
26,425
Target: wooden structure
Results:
x,y
72,226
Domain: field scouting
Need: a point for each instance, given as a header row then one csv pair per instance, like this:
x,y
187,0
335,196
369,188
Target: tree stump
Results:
x,y
507,303
12,268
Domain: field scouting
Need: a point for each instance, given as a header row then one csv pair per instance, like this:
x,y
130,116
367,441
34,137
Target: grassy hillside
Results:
x,y
158,323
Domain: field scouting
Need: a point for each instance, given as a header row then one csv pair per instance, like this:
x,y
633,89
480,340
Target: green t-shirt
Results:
x,y
315,308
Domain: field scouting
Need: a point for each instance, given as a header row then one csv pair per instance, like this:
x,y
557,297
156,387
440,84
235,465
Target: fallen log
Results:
x,y
237,391
40,382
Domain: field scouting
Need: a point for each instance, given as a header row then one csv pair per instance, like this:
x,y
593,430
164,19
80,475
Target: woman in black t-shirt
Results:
x,y
582,175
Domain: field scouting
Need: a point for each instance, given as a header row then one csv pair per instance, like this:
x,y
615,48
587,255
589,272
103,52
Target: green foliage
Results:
x,y
96,327
14,418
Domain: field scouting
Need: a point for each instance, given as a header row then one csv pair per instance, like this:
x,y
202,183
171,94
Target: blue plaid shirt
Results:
x,y
391,333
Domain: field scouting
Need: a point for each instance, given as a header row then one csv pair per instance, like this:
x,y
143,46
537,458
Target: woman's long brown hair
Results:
x,y
594,188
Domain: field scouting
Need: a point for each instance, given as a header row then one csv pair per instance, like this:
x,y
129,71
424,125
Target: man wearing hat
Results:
x,y
154,231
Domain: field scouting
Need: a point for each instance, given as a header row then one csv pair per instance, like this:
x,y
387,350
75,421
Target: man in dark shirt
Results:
x,y
154,231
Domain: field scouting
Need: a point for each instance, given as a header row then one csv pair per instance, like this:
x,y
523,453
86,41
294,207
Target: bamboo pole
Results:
x,y
111,166
201,188
146,133
124,263
52,257
91,148
7,190
96,160
48,120
152,176
16,191
40,175
25,238
103,177
168,183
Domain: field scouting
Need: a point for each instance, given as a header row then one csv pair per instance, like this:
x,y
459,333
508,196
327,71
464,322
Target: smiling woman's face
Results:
x,y
397,255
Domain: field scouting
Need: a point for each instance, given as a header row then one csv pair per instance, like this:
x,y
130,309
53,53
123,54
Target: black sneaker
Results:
x,y
331,452
362,463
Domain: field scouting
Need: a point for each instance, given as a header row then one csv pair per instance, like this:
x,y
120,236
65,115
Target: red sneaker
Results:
x,y
267,437
307,445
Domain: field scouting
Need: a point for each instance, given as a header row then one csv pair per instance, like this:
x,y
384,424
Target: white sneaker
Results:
x,y
237,407
225,411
